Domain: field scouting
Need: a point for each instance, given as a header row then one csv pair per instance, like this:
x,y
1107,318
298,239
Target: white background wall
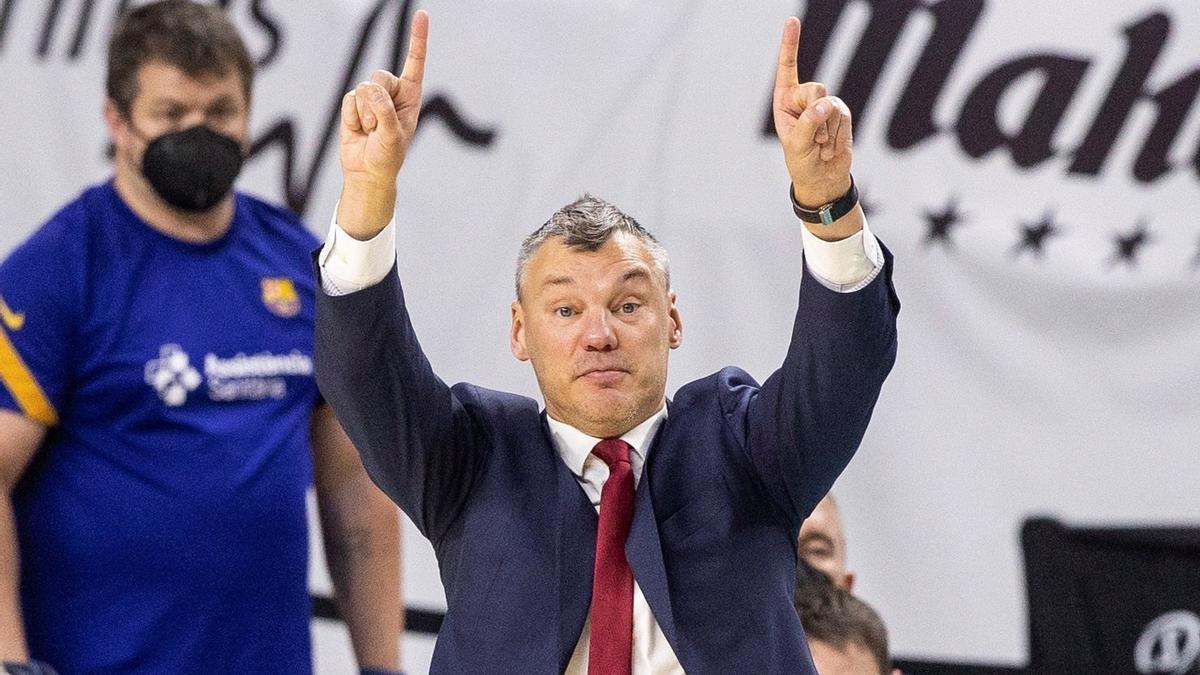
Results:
x,y
1065,384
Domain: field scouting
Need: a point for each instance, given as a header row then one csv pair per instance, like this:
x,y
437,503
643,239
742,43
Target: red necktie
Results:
x,y
611,649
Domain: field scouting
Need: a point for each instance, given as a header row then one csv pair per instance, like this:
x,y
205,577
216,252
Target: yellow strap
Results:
x,y
25,389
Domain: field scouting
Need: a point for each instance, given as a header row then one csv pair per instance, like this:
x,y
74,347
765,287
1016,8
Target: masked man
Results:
x,y
160,421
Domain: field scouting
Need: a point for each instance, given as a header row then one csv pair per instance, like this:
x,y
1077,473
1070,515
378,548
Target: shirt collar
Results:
x,y
574,446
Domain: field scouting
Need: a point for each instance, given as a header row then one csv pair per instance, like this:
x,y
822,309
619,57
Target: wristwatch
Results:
x,y
830,212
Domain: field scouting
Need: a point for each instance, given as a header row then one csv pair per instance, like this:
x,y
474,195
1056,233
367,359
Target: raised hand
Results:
x,y
379,119
813,127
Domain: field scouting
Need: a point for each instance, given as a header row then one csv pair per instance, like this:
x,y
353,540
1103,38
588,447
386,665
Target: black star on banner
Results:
x,y
941,223
1035,235
1129,244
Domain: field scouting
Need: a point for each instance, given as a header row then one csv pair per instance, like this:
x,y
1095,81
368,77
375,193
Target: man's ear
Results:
x,y
676,322
119,128
516,337
113,119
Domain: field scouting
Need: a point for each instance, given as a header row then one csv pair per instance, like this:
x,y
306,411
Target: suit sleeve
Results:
x,y
804,424
418,438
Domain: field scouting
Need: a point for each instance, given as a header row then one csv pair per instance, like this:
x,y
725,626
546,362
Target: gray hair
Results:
x,y
586,224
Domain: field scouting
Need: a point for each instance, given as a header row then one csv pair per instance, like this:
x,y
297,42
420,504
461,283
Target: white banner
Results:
x,y
1034,166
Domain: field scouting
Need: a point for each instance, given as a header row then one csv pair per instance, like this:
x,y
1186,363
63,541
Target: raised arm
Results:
x,y
379,119
805,423
416,436
815,131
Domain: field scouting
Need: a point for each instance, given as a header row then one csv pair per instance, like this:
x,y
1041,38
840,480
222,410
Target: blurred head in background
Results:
x,y
178,86
822,543
845,636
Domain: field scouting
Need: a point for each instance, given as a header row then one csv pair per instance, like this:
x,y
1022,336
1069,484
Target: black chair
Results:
x,y
1112,600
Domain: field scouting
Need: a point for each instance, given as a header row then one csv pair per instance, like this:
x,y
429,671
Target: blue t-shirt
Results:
x,y
162,523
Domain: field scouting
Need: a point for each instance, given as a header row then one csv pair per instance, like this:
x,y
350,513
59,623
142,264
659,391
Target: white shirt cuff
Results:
x,y
348,264
846,265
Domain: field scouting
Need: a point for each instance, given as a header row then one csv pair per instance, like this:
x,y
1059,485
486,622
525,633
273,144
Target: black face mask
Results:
x,y
192,169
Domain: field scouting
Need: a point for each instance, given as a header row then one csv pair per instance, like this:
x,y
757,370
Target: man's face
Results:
x,y
597,326
852,659
168,100
822,544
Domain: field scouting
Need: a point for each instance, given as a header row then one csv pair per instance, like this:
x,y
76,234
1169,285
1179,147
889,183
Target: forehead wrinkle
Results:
x,y
572,267
558,280
637,274
562,280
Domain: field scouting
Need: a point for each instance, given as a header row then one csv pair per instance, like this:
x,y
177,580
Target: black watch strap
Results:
x,y
829,212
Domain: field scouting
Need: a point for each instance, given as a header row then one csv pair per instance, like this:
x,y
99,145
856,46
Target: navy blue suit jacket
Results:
x,y
733,471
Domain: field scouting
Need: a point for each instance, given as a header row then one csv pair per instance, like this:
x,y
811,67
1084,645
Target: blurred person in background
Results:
x,y
845,636
822,543
159,419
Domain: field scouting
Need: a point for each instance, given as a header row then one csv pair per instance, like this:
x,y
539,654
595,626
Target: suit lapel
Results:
x,y
643,549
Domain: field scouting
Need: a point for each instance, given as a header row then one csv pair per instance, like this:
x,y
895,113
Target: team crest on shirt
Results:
x,y
279,295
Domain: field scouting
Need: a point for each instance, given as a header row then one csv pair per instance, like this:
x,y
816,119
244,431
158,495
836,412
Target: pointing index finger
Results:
x,y
414,64
787,74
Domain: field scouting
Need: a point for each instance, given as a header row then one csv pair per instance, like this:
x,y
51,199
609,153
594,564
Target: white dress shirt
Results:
x,y
651,651
349,265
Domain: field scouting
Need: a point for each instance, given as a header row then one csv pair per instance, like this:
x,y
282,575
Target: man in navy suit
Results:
x,y
689,563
